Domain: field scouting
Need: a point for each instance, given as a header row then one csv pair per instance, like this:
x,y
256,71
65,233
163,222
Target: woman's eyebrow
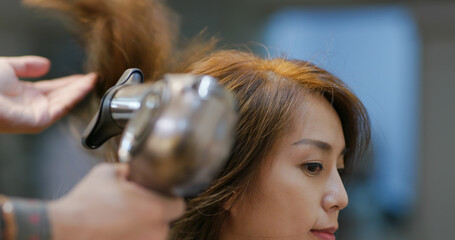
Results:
x,y
319,144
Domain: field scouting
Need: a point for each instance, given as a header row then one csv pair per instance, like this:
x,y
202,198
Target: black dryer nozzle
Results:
x,y
102,126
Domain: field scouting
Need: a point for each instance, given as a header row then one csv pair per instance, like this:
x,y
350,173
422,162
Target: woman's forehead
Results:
x,y
315,118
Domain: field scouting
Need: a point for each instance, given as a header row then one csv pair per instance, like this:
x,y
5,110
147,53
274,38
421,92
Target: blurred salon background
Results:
x,y
397,56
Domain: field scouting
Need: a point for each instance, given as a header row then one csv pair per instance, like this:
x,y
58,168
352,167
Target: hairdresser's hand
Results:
x,y
27,107
106,206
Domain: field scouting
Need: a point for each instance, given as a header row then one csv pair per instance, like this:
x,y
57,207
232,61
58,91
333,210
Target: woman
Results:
x,y
299,129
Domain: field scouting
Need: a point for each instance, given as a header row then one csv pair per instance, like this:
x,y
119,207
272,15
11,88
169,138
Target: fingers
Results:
x,y
9,83
49,86
169,208
173,208
112,170
122,170
158,206
107,171
29,66
66,93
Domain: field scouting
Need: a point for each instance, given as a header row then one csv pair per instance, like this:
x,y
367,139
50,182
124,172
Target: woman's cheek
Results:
x,y
291,199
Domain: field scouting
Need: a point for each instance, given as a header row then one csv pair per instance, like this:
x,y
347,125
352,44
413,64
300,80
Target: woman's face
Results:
x,y
299,192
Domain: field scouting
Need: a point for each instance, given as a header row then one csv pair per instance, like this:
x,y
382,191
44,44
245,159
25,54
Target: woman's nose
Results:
x,y
335,197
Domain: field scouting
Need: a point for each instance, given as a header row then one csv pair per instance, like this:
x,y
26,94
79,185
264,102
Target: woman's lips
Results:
x,y
326,234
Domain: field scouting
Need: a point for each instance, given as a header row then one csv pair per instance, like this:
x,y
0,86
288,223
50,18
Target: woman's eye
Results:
x,y
313,168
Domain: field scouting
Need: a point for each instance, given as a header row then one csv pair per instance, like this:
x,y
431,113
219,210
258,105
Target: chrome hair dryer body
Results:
x,y
177,132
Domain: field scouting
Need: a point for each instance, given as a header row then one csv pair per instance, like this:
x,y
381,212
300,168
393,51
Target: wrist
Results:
x,y
31,219
66,221
8,229
23,219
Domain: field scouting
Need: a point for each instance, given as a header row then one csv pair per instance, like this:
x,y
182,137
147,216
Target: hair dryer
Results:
x,y
177,132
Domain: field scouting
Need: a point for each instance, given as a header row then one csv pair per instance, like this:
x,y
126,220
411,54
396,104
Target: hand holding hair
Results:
x,y
30,107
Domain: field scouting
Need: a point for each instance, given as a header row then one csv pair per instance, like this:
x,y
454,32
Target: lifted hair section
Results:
x,y
120,34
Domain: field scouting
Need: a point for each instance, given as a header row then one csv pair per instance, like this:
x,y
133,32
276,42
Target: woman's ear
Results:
x,y
229,203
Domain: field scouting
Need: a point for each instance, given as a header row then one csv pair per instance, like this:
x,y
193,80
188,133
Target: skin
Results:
x,y
293,197
30,107
105,205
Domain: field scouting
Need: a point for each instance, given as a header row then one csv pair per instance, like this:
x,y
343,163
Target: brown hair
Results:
x,y
121,34
268,92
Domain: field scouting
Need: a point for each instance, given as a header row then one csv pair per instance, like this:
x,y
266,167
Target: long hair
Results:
x,y
268,92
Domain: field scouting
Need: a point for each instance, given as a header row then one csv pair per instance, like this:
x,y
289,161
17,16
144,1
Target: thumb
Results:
x,y
29,66
122,170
